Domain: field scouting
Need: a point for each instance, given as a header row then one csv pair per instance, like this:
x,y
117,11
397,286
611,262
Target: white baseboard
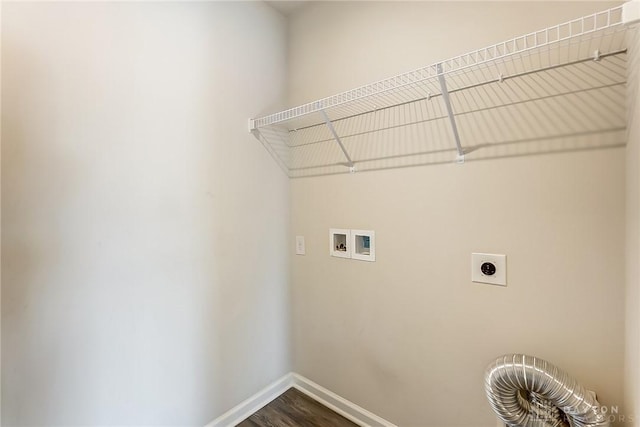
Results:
x,y
342,406
244,410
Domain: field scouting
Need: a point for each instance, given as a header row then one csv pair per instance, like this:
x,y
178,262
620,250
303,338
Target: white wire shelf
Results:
x,y
558,89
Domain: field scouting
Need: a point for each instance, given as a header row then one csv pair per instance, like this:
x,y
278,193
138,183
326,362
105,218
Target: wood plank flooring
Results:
x,y
294,409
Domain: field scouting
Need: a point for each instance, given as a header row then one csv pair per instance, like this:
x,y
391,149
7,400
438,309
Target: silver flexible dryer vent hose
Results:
x,y
530,392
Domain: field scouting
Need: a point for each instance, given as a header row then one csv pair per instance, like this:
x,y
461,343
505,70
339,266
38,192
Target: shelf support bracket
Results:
x,y
352,167
452,119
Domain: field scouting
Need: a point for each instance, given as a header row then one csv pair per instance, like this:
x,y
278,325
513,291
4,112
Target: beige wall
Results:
x,y
632,336
409,336
144,231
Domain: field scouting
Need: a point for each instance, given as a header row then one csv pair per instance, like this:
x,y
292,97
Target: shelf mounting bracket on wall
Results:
x,y
452,119
352,167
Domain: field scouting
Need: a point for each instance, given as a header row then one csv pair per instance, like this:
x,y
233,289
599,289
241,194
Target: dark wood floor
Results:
x,y
294,409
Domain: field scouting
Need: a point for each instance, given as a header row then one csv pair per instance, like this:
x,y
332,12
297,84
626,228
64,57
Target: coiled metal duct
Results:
x,y
530,392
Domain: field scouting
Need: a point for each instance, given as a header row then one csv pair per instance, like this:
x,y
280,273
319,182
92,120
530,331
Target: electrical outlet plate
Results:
x,y
500,263
300,249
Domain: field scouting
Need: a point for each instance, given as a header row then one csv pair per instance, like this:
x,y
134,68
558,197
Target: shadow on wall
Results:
x,y
528,106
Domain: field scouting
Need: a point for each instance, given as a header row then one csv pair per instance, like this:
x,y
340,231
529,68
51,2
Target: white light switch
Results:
x,y
489,268
300,245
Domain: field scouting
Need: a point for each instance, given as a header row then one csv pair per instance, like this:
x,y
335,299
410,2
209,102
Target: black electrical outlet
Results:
x,y
488,268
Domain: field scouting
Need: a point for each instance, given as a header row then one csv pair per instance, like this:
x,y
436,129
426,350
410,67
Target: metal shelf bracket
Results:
x,y
452,119
350,163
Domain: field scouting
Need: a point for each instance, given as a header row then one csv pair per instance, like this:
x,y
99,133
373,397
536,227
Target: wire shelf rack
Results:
x,y
558,89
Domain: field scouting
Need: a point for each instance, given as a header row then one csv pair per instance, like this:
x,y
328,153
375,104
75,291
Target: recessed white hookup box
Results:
x,y
340,242
363,245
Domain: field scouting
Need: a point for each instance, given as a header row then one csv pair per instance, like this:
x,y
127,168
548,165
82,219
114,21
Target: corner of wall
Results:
x,y
632,293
